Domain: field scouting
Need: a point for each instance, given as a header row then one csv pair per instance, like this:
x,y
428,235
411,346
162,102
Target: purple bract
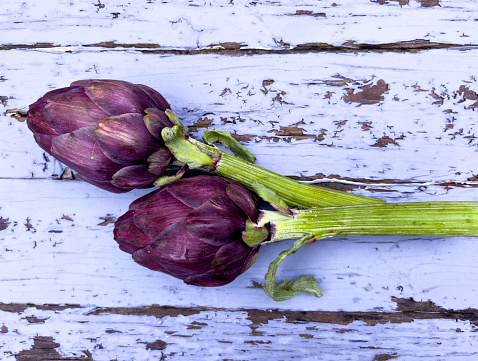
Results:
x,y
191,229
108,131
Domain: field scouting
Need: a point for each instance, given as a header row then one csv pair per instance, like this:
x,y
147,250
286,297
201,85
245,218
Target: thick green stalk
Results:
x,y
295,194
399,219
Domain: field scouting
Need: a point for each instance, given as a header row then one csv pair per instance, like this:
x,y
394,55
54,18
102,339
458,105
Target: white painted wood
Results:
x,y
426,147
48,258
232,335
66,290
253,24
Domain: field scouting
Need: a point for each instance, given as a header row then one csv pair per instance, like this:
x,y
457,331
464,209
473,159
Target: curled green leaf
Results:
x,y
212,136
285,290
254,234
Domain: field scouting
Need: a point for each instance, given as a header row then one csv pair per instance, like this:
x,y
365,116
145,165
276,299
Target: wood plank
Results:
x,y
398,117
237,24
166,333
58,248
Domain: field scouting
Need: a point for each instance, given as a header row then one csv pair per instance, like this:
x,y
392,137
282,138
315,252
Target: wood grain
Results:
x,y
403,112
194,334
378,98
237,24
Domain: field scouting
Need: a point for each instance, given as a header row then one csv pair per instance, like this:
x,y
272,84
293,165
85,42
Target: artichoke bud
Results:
x,y
125,139
191,229
105,130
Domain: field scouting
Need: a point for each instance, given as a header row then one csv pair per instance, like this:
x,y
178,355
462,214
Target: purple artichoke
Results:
x,y
108,131
191,229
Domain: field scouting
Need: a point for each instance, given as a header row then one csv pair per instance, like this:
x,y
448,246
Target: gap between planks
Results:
x,y
240,49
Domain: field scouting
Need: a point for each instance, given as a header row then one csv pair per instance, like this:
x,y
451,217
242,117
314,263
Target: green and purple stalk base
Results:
x,y
399,219
240,168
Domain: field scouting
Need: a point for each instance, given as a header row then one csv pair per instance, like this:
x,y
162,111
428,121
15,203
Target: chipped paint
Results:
x,y
155,311
407,311
287,133
468,95
115,333
201,123
368,94
108,219
44,348
353,95
384,142
4,222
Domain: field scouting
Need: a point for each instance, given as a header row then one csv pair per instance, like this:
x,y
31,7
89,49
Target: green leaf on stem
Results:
x,y
272,197
184,150
174,118
212,136
285,290
166,179
254,234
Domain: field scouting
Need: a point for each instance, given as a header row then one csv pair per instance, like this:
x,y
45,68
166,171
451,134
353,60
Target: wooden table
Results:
x,y
377,98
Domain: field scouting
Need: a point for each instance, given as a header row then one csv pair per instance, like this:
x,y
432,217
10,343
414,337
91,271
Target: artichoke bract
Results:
x,y
191,229
108,131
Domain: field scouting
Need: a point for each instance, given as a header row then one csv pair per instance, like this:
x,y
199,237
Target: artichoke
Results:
x,y
191,229
108,131
207,230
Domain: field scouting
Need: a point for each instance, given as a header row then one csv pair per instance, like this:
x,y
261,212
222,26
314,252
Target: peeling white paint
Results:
x,y
57,247
260,24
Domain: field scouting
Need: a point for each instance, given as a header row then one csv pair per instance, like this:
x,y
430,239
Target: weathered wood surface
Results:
x,y
233,24
373,97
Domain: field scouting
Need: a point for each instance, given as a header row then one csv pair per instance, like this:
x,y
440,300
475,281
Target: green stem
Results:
x,y
293,193
399,219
